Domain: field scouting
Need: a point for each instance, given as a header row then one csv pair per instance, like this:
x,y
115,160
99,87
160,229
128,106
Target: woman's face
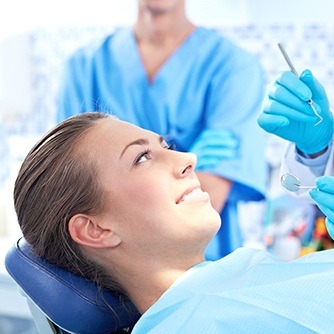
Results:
x,y
155,202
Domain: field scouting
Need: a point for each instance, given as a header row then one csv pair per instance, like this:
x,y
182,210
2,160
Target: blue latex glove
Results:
x,y
212,146
323,195
287,114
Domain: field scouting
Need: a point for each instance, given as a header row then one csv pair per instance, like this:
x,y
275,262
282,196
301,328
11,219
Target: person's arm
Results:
x,y
296,162
287,114
305,168
232,106
71,99
212,147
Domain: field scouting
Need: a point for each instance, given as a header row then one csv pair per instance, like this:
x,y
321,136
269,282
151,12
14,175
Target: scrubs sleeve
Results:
x,y
307,169
234,101
73,89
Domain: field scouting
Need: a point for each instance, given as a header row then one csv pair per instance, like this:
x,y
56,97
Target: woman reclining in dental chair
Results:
x,y
111,202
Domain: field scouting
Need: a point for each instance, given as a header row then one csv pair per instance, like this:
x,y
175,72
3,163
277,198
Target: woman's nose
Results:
x,y
186,164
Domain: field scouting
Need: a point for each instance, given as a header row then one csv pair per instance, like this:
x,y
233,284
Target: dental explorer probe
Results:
x,y
293,70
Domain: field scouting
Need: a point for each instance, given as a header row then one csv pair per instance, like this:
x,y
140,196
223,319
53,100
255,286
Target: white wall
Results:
x,y
289,11
17,16
35,13
14,73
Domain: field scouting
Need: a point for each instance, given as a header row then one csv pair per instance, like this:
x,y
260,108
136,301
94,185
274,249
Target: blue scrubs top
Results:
x,y
208,82
251,292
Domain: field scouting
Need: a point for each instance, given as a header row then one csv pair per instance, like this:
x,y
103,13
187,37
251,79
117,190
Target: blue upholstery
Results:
x,y
71,302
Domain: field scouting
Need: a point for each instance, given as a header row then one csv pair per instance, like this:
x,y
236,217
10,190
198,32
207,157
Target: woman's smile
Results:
x,y
194,195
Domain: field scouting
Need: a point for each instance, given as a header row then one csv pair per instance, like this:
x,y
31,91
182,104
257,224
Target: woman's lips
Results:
x,y
196,194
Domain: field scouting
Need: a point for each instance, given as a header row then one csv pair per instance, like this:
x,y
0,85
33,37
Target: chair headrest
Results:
x,y
70,301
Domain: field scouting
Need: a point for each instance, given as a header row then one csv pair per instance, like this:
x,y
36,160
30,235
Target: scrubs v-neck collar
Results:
x,y
173,64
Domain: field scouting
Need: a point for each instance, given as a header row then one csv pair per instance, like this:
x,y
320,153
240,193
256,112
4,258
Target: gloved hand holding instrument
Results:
x,y
297,110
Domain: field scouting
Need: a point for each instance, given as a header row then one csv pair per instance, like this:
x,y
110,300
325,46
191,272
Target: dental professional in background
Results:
x,y
309,155
192,86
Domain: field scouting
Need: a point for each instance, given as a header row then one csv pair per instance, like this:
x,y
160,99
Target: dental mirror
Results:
x,y
292,183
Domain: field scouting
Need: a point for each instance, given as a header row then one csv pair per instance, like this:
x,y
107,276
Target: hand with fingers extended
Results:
x,y
287,114
323,195
212,147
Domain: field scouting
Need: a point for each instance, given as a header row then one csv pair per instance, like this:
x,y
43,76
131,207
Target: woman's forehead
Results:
x,y
116,132
115,127
124,130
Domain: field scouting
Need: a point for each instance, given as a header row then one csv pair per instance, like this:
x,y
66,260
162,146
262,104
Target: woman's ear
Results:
x,y
89,232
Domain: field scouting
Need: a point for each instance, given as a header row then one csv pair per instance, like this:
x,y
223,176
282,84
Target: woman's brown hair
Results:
x,y
56,181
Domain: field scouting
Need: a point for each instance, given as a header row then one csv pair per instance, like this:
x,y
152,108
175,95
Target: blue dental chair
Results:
x,y
62,302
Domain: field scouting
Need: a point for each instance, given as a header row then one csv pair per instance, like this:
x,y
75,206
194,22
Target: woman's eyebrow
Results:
x,y
140,141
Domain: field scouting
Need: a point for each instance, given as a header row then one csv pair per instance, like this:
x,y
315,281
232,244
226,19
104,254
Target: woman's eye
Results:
x,y
142,157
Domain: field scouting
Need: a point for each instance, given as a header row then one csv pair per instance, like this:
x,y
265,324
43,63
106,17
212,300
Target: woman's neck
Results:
x,y
145,289
145,283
